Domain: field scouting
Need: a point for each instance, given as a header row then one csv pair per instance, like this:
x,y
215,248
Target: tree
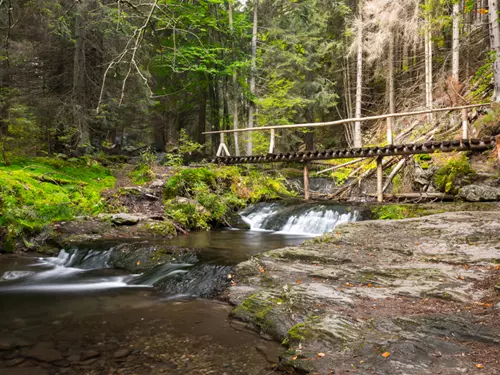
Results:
x,y
253,72
495,45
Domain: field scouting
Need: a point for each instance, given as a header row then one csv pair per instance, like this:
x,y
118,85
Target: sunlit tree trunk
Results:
x,y
80,117
235,85
359,84
392,90
428,66
495,45
455,61
251,109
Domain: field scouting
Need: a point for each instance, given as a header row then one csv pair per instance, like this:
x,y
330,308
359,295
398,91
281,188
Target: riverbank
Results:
x,y
415,296
50,201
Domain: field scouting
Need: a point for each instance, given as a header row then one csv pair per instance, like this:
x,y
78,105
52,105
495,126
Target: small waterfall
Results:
x,y
303,219
81,269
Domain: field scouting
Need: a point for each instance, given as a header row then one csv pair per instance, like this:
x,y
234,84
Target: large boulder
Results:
x,y
479,193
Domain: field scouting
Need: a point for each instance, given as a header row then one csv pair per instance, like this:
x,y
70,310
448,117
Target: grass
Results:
x,y
36,192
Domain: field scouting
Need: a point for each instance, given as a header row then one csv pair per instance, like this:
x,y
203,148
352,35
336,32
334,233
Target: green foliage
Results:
x,y
37,192
390,212
341,175
423,160
143,172
211,194
448,176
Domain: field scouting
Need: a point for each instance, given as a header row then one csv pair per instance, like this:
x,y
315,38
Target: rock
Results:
x,y
479,193
15,362
24,371
124,219
43,351
121,353
89,354
402,285
11,342
74,358
236,221
182,200
88,362
7,343
157,184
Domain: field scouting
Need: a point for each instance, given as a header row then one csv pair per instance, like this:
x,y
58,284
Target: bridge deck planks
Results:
x,y
354,153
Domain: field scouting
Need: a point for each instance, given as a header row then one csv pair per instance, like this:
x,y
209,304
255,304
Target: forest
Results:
x,y
81,77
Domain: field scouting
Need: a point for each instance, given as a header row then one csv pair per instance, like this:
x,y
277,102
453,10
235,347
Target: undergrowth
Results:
x,y
210,195
37,192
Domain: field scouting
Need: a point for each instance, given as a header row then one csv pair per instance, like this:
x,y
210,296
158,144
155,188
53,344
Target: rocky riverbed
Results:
x,y
414,296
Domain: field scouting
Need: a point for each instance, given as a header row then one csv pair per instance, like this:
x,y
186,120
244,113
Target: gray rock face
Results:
x,y
413,288
479,193
123,219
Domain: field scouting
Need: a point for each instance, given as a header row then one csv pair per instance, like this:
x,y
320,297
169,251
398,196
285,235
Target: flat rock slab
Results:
x,y
44,352
420,291
121,353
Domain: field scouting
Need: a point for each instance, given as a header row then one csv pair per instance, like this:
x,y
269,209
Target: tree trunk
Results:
x,y
251,109
495,45
455,64
202,118
391,88
428,67
79,77
235,85
359,87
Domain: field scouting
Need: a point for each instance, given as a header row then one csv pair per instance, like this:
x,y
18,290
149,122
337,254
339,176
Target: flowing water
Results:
x,y
81,312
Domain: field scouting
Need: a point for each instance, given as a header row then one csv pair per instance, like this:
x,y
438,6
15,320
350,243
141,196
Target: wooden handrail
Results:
x,y
349,120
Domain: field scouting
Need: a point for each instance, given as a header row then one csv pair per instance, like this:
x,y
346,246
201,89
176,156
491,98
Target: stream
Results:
x,y
81,312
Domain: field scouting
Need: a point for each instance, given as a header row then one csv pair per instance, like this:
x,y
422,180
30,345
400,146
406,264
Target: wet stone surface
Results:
x,y
414,296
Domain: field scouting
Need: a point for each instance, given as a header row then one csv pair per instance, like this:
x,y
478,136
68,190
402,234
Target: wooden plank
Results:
x,y
349,120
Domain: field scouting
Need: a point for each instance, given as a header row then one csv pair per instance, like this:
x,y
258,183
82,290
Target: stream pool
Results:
x,y
76,313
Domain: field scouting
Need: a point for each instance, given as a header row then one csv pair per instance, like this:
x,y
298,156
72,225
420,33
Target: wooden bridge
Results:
x,y
456,145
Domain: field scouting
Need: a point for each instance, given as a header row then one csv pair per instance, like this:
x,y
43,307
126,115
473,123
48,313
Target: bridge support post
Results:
x,y
380,180
307,190
222,147
389,131
465,124
271,145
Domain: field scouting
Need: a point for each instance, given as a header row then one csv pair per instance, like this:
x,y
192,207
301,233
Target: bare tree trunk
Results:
x,y
79,77
391,91
495,45
428,67
251,109
235,87
455,64
359,85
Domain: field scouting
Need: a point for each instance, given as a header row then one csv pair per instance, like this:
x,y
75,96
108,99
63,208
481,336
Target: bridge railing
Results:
x,y
224,151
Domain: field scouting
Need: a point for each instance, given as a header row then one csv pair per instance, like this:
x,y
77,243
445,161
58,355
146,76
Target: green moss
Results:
x,y
448,176
160,229
256,309
39,191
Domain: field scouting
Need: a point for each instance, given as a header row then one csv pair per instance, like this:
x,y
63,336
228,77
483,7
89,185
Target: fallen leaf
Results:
x,y
361,362
386,354
138,263
294,358
261,269
321,355
479,365
298,281
370,285
229,276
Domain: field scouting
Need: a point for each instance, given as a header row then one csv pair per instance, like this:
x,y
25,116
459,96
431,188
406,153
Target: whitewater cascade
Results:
x,y
306,219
